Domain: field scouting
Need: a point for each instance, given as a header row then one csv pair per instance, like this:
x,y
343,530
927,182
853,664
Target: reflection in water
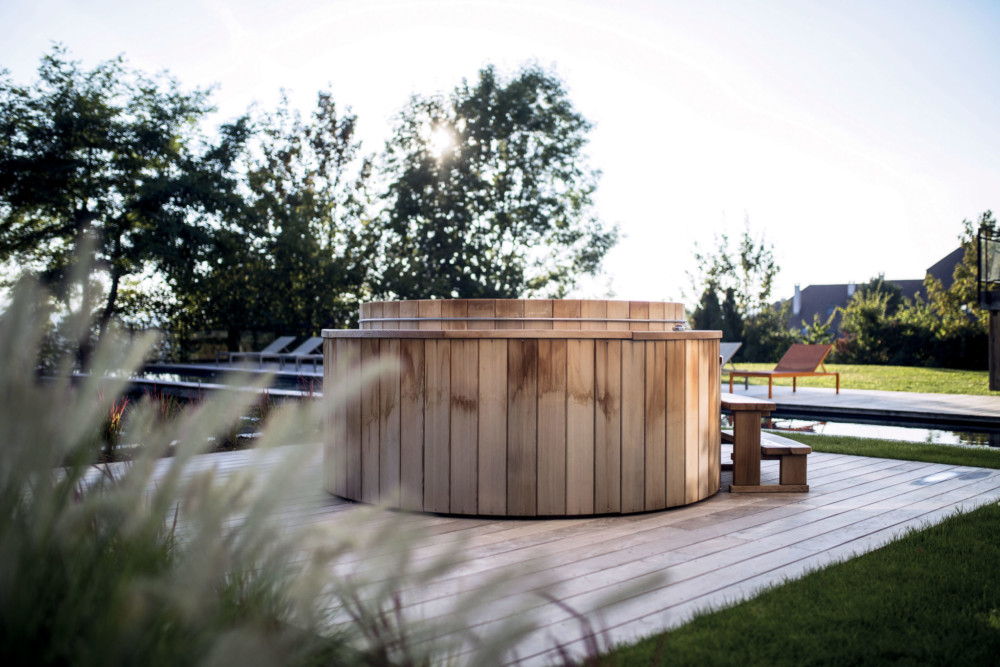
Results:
x,y
882,431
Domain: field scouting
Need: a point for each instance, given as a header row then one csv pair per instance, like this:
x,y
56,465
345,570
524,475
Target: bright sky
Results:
x,y
855,134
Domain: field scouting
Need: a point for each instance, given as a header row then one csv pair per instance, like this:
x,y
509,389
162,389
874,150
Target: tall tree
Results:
x,y
745,275
112,155
489,193
296,256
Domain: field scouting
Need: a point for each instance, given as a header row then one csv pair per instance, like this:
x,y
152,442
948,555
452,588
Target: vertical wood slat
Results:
x,y
580,426
715,417
492,427
352,421
411,414
692,418
676,468
430,309
538,308
507,308
657,311
564,308
390,310
437,422
407,311
522,406
482,308
633,446
363,311
552,427
656,425
594,310
454,308
389,423
618,314
370,424
607,425
638,310
704,414
464,426
334,443
375,312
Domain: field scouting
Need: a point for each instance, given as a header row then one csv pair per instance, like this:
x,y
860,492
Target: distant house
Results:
x,y
824,300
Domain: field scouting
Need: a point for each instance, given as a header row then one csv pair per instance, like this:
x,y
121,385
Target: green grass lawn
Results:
x,y
887,378
931,597
979,457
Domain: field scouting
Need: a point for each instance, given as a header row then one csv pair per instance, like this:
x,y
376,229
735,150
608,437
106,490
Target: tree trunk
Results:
x,y
109,307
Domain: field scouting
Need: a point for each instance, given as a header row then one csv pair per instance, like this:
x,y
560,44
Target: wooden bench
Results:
x,y
750,446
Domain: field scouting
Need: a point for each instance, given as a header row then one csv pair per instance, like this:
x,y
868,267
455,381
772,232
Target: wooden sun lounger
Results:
x,y
799,361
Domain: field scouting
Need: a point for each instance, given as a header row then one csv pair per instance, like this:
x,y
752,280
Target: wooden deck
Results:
x,y
713,553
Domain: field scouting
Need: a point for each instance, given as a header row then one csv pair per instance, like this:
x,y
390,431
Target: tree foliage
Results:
x,y
947,329
745,276
113,155
489,192
296,256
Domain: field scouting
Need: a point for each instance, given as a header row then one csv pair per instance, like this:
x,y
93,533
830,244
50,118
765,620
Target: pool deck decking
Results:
x,y
712,553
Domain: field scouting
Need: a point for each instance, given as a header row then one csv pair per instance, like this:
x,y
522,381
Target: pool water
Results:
x,y
890,432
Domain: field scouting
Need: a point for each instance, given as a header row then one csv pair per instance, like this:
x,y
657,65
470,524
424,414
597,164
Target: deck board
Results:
x,y
714,552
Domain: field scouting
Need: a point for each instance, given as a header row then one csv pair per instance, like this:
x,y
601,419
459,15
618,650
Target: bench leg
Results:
x,y
794,384
770,387
792,469
746,448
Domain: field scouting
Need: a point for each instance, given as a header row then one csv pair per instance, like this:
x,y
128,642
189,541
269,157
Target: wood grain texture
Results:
x,y
594,310
437,423
551,427
352,405
538,308
655,424
407,311
580,427
464,426
370,425
454,308
607,425
390,310
389,424
714,418
522,415
692,417
507,308
430,309
482,308
566,308
334,450
633,432
363,314
676,427
618,315
375,310
638,310
493,427
705,412
411,415
657,311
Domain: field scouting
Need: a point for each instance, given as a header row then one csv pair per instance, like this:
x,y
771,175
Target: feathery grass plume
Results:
x,y
165,561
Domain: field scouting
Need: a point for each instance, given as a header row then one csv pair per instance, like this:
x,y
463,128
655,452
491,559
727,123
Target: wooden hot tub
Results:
x,y
525,408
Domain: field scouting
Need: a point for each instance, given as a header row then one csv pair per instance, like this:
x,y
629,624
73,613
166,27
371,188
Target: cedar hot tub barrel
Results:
x,y
524,408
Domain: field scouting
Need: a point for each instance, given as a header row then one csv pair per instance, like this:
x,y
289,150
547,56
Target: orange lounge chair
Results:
x,y
799,361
